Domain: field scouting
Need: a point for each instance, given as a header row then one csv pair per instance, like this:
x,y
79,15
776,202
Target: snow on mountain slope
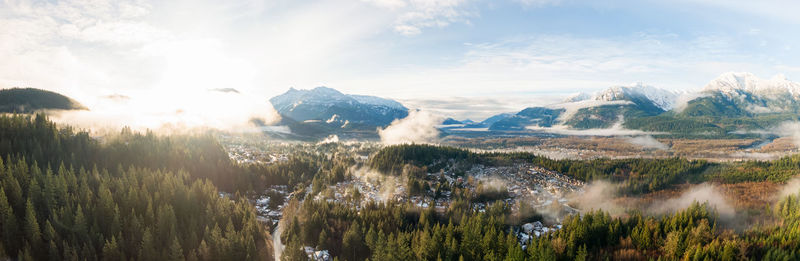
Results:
x,y
570,108
323,104
736,84
328,96
747,95
316,96
372,100
581,96
646,98
664,99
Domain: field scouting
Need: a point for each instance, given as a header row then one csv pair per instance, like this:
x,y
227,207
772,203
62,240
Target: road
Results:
x,y
277,245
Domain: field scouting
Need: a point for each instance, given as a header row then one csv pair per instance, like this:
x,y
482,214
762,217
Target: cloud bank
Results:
x,y
784,129
417,127
647,141
792,187
700,193
599,194
615,130
172,113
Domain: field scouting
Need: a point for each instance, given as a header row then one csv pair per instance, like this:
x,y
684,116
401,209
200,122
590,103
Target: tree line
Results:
x,y
636,176
389,231
134,213
67,196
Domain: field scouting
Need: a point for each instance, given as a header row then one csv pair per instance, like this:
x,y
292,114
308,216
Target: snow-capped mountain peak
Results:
x,y
734,84
779,77
378,101
734,81
663,99
581,96
326,91
323,104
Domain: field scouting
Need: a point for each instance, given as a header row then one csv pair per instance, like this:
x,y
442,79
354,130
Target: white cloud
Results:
x,y
392,4
114,33
564,130
90,49
754,155
792,187
538,3
87,49
684,98
562,64
701,193
415,15
647,141
75,47
784,129
571,108
784,10
206,109
418,127
477,108
615,130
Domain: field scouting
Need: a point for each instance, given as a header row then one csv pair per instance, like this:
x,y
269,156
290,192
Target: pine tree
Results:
x,y
422,245
352,243
581,255
400,245
204,252
8,224
14,193
322,240
111,250
148,251
48,232
81,226
175,251
32,233
294,251
372,238
728,252
24,254
52,251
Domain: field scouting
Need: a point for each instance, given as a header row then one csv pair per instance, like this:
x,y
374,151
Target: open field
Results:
x,y
589,147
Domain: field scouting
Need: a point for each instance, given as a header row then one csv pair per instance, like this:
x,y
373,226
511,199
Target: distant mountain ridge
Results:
x,y
29,100
582,110
732,84
328,110
750,95
728,103
725,106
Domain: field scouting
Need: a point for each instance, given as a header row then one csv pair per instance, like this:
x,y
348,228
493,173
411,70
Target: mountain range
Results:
x,y
585,111
323,110
729,103
726,105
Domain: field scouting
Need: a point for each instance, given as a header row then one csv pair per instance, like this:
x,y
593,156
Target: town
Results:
x,y
521,186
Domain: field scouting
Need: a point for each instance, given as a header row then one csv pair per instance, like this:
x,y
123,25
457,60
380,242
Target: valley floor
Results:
x,y
588,147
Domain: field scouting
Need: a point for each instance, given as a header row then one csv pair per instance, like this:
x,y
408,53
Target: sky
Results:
x,y
448,56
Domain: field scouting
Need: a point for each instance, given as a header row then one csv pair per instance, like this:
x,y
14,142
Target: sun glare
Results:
x,y
200,86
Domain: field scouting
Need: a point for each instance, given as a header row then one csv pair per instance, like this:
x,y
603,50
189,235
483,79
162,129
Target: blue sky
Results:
x,y
506,54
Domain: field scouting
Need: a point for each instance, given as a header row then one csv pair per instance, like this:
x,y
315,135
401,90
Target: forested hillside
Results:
x,y
383,232
636,175
132,213
66,196
37,140
28,100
